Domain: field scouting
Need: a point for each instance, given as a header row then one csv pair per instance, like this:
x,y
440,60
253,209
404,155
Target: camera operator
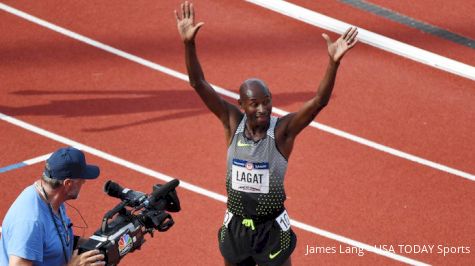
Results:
x,y
36,229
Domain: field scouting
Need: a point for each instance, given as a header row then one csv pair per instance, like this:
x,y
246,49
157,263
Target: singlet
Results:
x,y
255,175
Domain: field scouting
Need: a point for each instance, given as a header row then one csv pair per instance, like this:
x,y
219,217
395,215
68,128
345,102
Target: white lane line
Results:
x,y
37,159
230,94
107,156
24,163
194,188
368,37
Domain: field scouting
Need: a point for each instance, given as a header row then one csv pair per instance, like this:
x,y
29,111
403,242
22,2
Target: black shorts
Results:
x,y
268,244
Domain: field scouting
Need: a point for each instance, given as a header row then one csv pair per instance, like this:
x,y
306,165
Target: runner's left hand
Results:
x,y
337,49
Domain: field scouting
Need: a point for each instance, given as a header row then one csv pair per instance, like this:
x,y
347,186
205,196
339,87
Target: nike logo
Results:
x,y
242,144
272,256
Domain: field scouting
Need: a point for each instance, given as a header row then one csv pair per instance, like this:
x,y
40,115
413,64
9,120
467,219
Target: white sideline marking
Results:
x,y
365,36
37,159
194,188
230,94
22,164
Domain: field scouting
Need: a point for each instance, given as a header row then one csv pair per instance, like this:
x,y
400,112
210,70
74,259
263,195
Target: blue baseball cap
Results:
x,y
69,163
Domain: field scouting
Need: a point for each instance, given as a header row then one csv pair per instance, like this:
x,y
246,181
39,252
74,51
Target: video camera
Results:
x,y
125,233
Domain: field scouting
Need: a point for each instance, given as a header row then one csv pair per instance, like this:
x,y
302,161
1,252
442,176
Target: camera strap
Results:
x,y
56,225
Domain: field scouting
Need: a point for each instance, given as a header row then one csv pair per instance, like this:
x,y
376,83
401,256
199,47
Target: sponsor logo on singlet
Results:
x,y
250,177
242,144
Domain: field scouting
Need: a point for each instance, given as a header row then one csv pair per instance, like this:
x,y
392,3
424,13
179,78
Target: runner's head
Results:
x,y
256,101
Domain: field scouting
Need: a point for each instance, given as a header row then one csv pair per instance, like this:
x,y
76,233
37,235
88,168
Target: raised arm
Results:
x,y
226,112
292,124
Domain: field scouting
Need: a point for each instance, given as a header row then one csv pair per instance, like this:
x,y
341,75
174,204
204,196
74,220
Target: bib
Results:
x,y
250,177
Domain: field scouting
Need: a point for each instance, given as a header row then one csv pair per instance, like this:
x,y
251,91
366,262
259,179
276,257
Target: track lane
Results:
x,y
12,138
389,28
459,103
430,12
177,244
106,122
205,175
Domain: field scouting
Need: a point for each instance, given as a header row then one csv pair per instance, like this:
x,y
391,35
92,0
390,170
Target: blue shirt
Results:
x,y
28,231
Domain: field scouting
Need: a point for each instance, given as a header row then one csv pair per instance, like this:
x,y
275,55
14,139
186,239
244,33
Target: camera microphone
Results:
x,y
163,190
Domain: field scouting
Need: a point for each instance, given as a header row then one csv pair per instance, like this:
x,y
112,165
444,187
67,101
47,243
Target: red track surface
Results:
x,y
157,121
437,13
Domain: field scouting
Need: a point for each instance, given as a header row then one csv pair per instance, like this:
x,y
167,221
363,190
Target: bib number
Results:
x,y
250,177
227,218
284,221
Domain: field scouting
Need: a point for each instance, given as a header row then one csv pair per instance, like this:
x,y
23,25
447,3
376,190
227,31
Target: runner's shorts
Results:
x,y
270,243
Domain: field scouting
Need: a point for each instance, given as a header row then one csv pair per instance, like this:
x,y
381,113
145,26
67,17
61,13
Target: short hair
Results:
x,y
53,183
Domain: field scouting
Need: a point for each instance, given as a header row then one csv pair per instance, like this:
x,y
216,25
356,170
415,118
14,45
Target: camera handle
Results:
x,y
119,207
